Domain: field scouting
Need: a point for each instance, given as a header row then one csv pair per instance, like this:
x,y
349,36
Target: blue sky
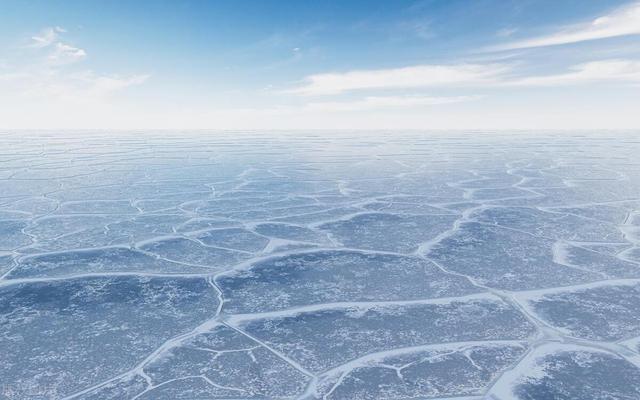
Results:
x,y
483,64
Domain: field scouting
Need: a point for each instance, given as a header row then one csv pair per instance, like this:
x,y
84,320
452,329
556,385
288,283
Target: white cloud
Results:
x,y
591,72
386,102
621,22
59,52
74,88
453,76
33,78
104,85
506,32
408,77
477,75
66,54
46,37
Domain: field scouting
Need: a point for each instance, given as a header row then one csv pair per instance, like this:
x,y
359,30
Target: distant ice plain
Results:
x,y
319,265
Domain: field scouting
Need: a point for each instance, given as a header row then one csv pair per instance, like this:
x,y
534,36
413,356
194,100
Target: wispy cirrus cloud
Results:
x,y
78,88
506,32
420,76
66,54
386,103
46,73
59,52
591,72
46,37
461,76
620,22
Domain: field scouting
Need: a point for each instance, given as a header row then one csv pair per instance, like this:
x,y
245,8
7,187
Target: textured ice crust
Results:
x,y
184,266
69,334
330,276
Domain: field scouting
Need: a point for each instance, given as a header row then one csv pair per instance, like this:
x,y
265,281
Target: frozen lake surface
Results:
x,y
186,266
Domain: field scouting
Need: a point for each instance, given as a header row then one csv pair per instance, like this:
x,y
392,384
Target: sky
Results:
x,y
302,64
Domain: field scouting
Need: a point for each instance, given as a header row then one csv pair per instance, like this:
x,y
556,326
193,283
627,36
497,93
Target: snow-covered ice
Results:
x,y
323,265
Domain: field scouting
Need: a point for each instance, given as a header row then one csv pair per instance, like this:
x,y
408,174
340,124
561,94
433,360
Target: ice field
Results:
x,y
322,265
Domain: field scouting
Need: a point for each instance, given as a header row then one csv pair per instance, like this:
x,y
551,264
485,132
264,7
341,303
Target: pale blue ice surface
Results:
x,y
319,265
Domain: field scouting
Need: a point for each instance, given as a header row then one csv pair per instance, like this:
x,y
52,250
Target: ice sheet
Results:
x,y
322,265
